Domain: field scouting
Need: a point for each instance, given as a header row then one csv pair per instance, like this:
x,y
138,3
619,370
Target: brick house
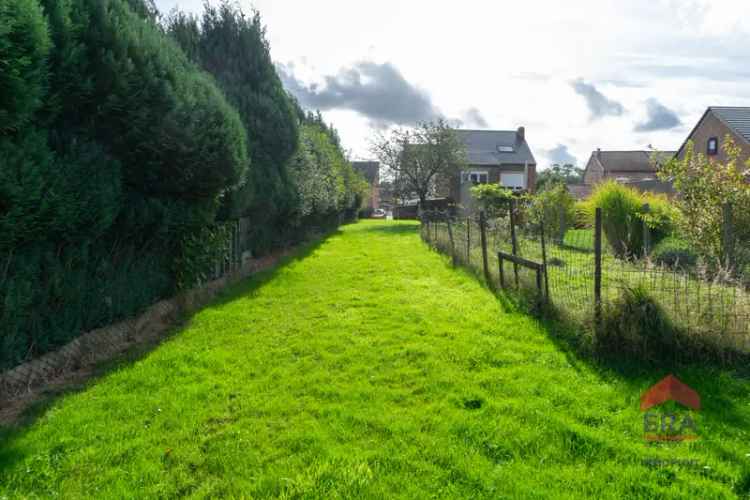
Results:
x,y
715,125
633,168
370,170
493,156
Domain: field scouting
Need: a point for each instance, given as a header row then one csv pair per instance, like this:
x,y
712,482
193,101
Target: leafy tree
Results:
x,y
419,157
325,181
704,187
558,174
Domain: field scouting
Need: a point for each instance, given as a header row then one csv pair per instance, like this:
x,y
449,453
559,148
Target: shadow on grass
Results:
x,y
721,382
84,380
393,228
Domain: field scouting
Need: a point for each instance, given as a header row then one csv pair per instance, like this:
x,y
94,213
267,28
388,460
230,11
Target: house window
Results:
x,y
512,180
476,177
713,146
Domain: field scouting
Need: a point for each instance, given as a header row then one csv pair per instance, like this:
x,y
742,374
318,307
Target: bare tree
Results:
x,y
418,157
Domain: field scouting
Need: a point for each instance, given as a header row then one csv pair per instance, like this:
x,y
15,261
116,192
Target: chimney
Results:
x,y
598,152
521,134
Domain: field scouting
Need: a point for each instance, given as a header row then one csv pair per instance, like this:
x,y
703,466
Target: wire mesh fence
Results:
x,y
580,281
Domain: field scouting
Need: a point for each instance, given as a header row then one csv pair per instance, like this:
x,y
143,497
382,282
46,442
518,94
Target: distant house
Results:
x,y
579,191
715,125
370,170
633,168
494,156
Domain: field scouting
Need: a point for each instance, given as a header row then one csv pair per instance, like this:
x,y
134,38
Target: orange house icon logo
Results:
x,y
664,426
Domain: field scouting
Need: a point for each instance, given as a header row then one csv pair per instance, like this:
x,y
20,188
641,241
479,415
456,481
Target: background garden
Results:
x,y
670,280
129,143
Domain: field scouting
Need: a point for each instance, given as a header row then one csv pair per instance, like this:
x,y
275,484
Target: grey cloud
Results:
x,y
560,154
599,105
377,91
473,117
659,117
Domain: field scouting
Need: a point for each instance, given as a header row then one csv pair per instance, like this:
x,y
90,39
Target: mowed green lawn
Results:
x,y
365,367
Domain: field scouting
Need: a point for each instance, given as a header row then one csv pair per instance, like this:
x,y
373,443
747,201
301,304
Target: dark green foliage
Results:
x,y
118,149
233,48
118,153
166,122
635,324
674,252
60,197
558,175
24,45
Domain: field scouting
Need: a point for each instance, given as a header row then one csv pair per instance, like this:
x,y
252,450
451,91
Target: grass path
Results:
x,y
367,368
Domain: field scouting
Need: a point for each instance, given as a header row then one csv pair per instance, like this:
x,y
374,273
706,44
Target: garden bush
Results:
x,y
662,216
494,199
674,252
551,205
635,324
621,224
623,217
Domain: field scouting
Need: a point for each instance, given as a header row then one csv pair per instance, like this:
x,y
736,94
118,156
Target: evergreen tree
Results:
x,y
234,49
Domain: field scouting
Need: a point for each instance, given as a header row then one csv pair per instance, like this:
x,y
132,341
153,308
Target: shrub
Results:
x,y
674,252
621,207
635,323
662,216
581,217
494,199
551,205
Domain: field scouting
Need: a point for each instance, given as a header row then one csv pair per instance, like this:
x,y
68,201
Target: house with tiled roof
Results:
x,y
634,168
494,156
717,123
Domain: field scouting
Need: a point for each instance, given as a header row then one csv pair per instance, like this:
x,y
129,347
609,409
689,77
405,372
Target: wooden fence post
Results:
x,y
450,237
434,216
728,236
563,224
598,269
646,232
483,239
513,240
544,259
468,240
500,270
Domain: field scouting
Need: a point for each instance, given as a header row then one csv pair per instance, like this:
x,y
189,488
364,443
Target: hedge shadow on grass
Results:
x,y
85,379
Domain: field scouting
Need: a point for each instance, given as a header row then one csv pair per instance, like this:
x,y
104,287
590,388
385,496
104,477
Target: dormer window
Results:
x,y
713,146
505,149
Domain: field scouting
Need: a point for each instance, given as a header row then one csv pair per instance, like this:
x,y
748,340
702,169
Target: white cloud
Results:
x,y
514,61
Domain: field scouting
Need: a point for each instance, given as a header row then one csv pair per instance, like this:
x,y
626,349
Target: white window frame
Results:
x,y
475,177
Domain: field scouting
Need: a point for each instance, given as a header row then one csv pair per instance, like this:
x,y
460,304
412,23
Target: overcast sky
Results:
x,y
618,74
